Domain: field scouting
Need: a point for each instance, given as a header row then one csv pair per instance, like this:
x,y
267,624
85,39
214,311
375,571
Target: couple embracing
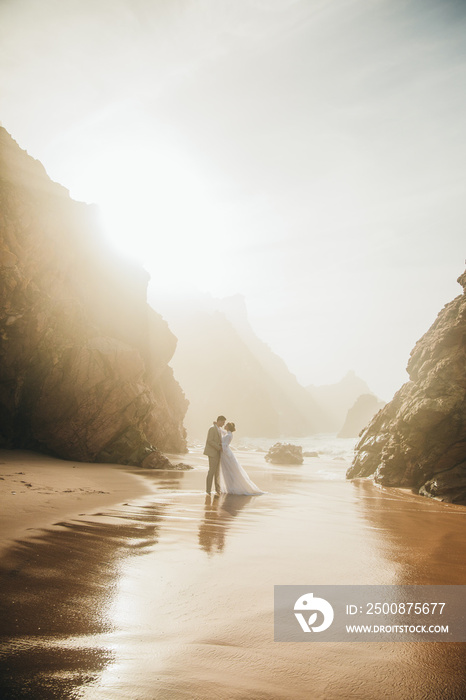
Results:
x,y
224,469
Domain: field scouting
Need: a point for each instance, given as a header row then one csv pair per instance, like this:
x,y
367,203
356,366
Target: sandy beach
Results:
x,y
155,591
37,491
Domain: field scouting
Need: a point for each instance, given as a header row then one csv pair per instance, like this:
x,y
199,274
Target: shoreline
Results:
x,y
91,607
38,491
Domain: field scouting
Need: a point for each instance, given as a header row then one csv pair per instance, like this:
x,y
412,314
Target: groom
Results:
x,y
213,448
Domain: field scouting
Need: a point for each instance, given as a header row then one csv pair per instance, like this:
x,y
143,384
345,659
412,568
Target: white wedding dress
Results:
x,y
233,478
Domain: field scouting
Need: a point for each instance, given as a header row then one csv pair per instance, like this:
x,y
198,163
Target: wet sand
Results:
x,y
37,491
171,595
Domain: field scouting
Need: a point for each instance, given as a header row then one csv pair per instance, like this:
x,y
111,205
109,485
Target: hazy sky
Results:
x,y
310,155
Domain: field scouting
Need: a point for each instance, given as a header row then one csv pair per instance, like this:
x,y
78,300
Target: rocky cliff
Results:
x,y
418,440
84,369
337,399
225,368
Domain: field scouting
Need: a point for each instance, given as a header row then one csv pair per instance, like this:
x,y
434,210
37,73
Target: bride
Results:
x,y
233,478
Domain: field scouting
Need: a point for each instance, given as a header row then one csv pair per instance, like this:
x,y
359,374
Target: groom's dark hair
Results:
x,y
220,418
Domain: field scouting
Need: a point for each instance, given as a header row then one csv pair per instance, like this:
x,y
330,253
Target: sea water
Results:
x,y
328,455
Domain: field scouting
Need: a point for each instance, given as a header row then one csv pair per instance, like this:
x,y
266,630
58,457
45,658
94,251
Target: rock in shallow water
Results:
x,y
418,440
284,453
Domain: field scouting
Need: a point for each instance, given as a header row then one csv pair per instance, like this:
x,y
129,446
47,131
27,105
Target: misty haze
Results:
x,y
232,349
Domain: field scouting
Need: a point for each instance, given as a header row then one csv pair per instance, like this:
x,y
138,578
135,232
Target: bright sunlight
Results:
x,y
159,210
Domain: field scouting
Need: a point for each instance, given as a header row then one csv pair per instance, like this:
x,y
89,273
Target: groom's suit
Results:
x,y
213,448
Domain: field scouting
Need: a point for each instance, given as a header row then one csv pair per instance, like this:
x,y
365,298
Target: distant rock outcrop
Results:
x,y
225,368
284,453
359,415
84,369
419,439
336,399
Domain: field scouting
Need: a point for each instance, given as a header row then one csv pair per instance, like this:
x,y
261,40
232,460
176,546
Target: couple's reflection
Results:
x,y
219,511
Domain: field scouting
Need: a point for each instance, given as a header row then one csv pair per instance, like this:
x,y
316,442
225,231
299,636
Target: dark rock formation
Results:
x,y
156,460
83,359
419,439
284,453
359,415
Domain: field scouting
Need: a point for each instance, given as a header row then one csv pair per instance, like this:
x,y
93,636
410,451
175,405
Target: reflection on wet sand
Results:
x,y
425,539
83,617
59,588
166,480
218,513
426,542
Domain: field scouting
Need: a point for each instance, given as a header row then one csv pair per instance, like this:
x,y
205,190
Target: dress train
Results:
x,y
233,478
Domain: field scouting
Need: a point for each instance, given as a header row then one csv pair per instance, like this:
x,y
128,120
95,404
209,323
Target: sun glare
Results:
x,y
160,212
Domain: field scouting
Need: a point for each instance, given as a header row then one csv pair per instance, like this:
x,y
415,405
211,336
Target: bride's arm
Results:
x,y
227,439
